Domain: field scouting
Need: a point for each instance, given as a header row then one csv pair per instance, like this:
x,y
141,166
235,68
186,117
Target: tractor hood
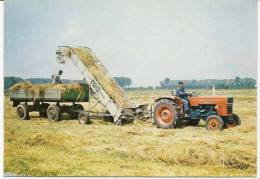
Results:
x,y
210,100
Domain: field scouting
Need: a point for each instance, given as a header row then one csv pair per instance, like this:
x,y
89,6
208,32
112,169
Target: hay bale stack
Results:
x,y
38,90
102,76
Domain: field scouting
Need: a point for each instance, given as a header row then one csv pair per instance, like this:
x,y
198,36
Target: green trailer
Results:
x,y
50,102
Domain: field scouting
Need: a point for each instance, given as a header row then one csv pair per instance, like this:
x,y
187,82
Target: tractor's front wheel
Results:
x,y
165,114
214,123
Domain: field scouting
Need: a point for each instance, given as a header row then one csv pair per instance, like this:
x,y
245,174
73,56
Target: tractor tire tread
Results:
x,y
175,123
220,120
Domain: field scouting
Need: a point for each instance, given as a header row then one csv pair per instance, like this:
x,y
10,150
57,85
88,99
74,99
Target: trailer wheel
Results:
x,y
165,114
54,113
214,123
83,117
22,111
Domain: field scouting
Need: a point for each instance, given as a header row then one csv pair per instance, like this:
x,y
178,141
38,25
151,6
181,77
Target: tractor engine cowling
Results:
x,y
222,105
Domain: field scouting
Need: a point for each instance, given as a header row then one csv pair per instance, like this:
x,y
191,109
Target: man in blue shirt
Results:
x,y
180,92
56,78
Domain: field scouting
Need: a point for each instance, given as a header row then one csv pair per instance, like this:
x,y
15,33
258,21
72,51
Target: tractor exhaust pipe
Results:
x,y
213,90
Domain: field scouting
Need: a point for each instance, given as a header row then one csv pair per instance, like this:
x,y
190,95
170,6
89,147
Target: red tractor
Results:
x,y
217,111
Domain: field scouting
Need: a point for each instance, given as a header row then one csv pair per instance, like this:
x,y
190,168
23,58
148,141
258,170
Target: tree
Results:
x,y
238,82
9,81
123,82
166,83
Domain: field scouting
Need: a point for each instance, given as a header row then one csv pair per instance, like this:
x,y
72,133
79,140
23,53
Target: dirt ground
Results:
x,y
39,147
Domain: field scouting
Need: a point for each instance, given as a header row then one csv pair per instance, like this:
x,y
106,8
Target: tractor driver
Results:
x,y
56,78
180,92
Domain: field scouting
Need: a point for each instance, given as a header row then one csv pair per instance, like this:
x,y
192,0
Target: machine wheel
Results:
x,y
54,112
165,114
214,123
194,122
119,122
75,112
22,111
237,119
43,110
235,122
83,117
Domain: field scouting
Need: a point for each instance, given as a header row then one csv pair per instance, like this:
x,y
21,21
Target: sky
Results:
x,y
146,40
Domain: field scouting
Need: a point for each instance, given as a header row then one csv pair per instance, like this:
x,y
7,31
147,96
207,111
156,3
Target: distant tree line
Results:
x,y
237,83
9,81
167,83
123,82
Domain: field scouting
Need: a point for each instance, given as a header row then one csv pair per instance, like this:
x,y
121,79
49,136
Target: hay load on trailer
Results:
x,y
73,92
41,98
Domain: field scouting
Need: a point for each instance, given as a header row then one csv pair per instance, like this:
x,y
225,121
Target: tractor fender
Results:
x,y
173,98
158,99
177,100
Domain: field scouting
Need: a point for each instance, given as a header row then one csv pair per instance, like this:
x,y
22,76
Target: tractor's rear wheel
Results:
x,y
214,123
165,114
22,111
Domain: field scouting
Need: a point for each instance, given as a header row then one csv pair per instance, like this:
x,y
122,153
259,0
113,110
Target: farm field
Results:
x,y
39,147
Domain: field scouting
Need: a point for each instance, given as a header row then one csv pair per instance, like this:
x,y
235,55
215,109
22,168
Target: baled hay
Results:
x,y
38,90
102,76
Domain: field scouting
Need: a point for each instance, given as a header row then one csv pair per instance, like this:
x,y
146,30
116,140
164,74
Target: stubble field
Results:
x,y
39,147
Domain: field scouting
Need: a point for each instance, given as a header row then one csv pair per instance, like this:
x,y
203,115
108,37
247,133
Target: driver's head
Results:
x,y
180,84
60,72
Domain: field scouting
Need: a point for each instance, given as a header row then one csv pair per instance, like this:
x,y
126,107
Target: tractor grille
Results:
x,y
230,109
230,99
